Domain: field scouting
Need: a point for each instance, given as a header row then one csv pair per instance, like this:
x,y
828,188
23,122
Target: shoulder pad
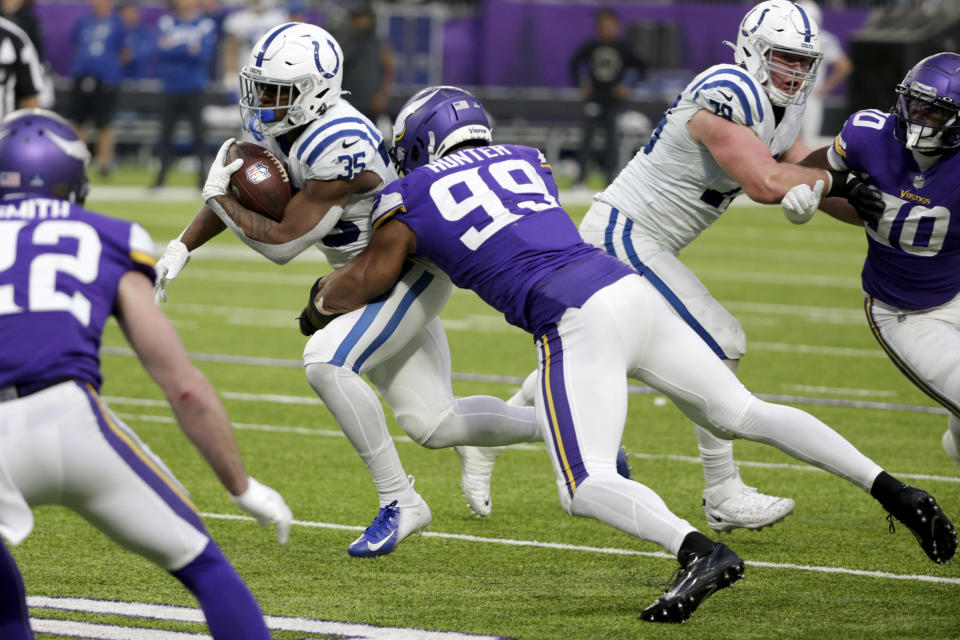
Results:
x,y
730,92
338,148
388,204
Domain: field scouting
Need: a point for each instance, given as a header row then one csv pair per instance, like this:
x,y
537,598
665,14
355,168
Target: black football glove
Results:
x,y
311,320
865,198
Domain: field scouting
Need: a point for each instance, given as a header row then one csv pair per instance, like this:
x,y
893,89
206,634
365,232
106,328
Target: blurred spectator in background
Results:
x,y
20,73
608,59
297,11
241,30
97,45
214,10
137,42
834,69
368,64
186,42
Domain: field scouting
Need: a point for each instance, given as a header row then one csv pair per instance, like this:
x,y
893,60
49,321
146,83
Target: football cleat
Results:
x,y
476,467
392,524
950,446
703,575
623,463
919,512
733,505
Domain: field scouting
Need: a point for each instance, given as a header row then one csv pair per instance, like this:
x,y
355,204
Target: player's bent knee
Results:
x,y
434,431
322,377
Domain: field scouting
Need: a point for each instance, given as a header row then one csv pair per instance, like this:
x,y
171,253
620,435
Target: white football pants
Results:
x,y
627,329
925,346
399,343
64,446
606,227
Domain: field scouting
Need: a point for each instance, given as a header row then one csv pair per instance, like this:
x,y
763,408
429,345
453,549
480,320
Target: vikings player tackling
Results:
x,y
488,215
911,276
337,160
733,129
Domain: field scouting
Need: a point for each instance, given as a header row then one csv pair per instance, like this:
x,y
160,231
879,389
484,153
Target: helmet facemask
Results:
x,y
926,122
779,44
294,75
797,77
284,112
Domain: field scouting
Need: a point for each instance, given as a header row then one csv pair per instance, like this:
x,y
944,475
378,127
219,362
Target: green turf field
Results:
x,y
529,571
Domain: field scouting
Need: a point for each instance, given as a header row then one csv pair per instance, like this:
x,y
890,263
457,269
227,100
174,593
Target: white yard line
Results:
x,y
289,363
336,433
189,614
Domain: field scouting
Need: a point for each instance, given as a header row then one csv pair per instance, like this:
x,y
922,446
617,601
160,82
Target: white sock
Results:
x,y
359,413
716,454
799,434
632,508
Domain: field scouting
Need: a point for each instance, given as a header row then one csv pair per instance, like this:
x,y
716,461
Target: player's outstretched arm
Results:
x,y
371,273
195,404
746,159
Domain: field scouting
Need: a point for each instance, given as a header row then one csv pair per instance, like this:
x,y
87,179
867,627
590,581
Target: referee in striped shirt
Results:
x,y
20,73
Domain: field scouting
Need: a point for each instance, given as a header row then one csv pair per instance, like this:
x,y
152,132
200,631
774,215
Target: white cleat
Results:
x,y
733,505
950,446
476,467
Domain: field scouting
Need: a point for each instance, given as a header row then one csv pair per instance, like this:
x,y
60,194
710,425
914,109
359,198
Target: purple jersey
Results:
x,y
60,268
489,217
913,259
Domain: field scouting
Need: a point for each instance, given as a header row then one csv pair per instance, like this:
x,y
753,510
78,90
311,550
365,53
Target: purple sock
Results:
x,y
14,620
232,612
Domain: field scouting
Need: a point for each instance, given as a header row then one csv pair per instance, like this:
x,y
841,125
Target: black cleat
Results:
x,y
702,576
919,512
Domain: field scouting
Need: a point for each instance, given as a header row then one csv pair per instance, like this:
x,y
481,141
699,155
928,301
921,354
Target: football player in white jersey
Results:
x,y
291,104
733,129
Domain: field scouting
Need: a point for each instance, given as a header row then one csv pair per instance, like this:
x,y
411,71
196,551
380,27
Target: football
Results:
x,y
261,184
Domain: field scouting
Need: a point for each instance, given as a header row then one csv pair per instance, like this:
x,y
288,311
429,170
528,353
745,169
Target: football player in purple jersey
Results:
x,y
63,271
488,215
911,276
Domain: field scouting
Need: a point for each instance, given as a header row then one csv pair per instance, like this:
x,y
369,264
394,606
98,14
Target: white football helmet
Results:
x,y
783,27
302,65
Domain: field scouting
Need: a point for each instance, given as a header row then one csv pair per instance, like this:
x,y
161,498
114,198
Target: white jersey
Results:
x,y
673,188
339,145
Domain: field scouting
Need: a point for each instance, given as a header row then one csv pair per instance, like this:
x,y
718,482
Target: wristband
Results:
x,y
838,184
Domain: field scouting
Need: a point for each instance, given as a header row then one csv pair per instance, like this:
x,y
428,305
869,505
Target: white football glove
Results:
x,y
801,202
267,507
175,257
218,179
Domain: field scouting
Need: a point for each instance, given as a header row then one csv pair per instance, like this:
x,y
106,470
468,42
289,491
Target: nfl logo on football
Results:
x,y
257,173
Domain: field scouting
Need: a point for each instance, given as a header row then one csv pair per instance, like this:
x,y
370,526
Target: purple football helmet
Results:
x,y
41,154
928,103
432,122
